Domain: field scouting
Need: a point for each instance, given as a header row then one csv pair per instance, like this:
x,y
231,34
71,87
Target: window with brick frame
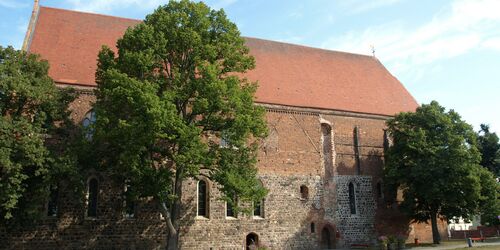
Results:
x,y
52,204
258,209
203,199
326,138
129,202
380,191
352,198
230,212
92,197
87,123
304,192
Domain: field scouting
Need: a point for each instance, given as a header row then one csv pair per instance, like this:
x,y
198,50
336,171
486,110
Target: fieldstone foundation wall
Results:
x,y
358,227
286,221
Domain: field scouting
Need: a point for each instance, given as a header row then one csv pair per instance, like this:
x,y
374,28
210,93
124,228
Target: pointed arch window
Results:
x,y
380,193
129,203
352,198
203,203
326,133
93,189
52,202
88,122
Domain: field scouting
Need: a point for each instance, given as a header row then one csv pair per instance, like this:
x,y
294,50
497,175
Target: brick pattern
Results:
x,y
290,157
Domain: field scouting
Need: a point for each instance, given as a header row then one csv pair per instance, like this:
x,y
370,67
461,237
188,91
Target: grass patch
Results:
x,y
495,247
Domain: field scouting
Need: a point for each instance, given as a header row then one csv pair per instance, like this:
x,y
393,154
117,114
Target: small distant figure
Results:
x,y
373,50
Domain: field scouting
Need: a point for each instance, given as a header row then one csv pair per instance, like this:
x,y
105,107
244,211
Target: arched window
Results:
x,y
258,206
52,203
87,123
357,150
326,238
93,189
252,241
313,227
380,193
203,203
129,202
326,132
352,198
230,208
304,192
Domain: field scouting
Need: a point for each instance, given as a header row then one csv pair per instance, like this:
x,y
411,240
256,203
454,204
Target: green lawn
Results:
x,y
496,247
443,243
457,243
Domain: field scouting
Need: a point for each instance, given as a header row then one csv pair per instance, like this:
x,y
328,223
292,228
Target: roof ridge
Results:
x,y
311,47
334,80
254,38
89,13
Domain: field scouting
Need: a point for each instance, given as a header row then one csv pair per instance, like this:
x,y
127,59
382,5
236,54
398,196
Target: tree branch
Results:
x,y
166,214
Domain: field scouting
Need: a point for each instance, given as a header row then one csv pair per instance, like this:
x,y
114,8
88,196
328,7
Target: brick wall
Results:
x,y
292,156
481,231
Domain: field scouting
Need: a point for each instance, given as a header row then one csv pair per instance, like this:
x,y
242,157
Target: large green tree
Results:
x,y
489,147
34,132
434,161
489,205
165,101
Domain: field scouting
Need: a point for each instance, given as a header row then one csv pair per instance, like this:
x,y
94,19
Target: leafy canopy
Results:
x,y
489,146
435,162
167,98
34,127
489,205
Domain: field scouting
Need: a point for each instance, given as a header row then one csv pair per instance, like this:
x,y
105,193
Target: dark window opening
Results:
x,y
93,186
357,150
352,198
202,199
252,241
230,208
326,132
52,203
129,202
304,192
257,209
313,227
88,124
380,194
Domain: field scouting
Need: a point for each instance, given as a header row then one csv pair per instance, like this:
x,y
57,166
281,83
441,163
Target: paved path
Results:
x,y
475,244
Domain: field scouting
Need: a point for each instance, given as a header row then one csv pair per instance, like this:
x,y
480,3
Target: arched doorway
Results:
x,y
327,242
252,241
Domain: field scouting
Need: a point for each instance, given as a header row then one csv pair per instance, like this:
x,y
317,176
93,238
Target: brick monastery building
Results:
x,y
322,161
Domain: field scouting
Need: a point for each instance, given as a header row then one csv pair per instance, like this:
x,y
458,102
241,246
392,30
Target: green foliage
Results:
x,y
489,205
34,127
434,161
489,147
169,96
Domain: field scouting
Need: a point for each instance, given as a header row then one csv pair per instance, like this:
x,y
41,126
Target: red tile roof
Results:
x,y
288,74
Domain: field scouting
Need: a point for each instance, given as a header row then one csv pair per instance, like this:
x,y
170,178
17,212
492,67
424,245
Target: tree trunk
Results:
x,y
172,214
172,235
436,237
172,240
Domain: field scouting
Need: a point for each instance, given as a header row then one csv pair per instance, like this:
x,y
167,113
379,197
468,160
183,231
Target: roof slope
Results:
x,y
288,74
